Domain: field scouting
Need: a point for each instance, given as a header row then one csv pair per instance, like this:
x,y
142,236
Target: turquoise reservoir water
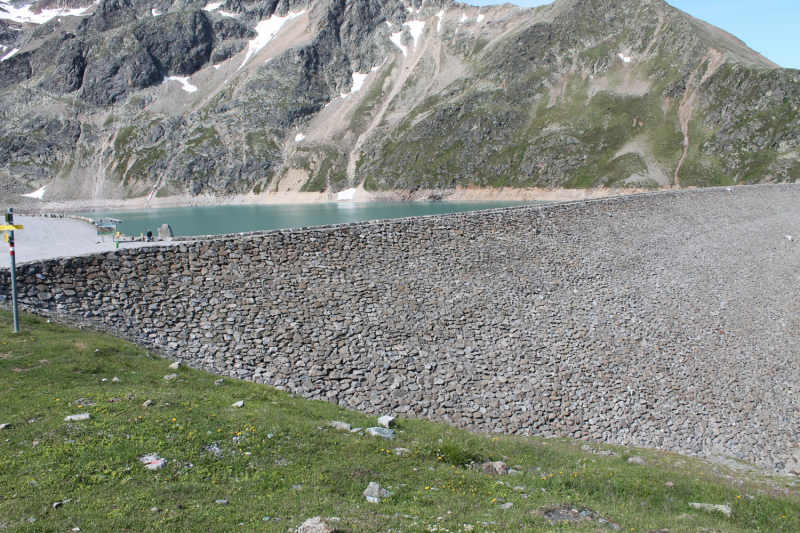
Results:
x,y
211,220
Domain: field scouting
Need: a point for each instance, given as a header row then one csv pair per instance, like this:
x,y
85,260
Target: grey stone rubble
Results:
x,y
666,320
170,377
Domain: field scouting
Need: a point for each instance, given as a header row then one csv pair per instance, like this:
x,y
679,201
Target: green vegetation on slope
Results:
x,y
277,457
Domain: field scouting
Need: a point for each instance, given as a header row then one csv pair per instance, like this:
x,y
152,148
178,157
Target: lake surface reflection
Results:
x,y
218,219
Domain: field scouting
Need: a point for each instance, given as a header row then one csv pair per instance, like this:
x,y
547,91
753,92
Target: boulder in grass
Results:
x,y
315,525
171,377
5,426
76,418
386,421
374,493
240,403
724,509
495,468
344,426
175,366
384,433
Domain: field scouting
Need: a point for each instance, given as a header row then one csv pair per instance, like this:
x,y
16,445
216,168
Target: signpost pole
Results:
x,y
10,222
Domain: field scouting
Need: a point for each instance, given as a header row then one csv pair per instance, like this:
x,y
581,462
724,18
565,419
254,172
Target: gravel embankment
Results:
x,y
670,320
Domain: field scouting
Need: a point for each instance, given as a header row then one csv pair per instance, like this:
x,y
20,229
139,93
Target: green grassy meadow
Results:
x,y
277,457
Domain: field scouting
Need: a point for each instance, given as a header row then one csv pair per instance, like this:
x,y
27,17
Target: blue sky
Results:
x,y
771,27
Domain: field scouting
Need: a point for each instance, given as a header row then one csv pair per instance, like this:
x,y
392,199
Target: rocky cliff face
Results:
x,y
126,98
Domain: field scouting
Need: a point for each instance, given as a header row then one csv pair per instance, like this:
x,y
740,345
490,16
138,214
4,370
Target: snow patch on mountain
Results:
x,y
188,87
415,27
395,38
345,195
9,55
267,30
39,193
24,13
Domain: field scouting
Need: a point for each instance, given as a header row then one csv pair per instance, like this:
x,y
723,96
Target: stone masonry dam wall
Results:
x,y
668,320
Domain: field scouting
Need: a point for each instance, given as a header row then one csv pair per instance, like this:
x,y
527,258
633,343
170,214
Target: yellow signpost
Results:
x,y
10,227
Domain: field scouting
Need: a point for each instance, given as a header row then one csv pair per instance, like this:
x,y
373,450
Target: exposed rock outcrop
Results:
x,y
328,94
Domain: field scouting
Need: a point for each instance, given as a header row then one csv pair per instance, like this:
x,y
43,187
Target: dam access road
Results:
x,y
668,320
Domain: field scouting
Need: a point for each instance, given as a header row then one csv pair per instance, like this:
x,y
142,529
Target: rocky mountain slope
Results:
x,y
130,98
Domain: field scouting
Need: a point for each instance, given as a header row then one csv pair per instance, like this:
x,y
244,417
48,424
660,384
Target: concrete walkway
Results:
x,y
47,238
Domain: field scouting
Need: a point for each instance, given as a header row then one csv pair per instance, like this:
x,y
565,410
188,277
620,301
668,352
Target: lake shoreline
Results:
x,y
359,195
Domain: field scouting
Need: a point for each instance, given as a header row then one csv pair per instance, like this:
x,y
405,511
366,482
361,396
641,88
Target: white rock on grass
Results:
x,y
240,403
170,377
315,525
148,403
344,426
176,365
724,509
222,502
387,434
116,380
507,505
637,461
75,418
374,493
152,461
219,381
5,426
386,421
